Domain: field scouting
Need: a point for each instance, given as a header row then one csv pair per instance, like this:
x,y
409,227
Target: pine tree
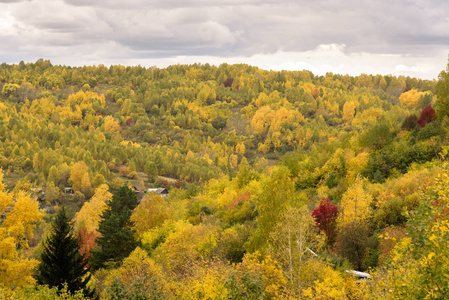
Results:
x,y
117,236
61,261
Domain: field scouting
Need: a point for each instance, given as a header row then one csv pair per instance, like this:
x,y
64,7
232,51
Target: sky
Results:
x,y
397,37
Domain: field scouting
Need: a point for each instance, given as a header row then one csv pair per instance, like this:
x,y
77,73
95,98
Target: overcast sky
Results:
x,y
399,37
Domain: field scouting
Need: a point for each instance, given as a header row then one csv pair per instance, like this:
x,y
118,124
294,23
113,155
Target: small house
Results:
x,y
68,190
159,191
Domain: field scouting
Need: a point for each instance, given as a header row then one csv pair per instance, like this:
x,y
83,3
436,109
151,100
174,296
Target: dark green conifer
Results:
x,y
117,237
61,261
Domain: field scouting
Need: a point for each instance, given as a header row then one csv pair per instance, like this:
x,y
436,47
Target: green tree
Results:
x,y
352,241
442,92
53,175
278,192
117,236
52,192
61,261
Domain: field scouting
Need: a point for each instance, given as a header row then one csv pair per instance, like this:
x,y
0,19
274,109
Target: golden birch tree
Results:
x,y
19,217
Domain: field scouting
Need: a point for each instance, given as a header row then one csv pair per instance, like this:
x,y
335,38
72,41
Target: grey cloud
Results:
x,y
229,28
12,1
167,4
243,27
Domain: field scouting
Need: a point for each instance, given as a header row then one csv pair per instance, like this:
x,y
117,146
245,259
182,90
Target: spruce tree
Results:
x,y
117,236
61,261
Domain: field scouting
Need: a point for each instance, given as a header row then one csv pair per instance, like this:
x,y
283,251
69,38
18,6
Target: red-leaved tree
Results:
x,y
228,82
86,240
326,219
427,115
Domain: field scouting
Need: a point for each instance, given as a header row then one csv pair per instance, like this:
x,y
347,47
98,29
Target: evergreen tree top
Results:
x,y
117,236
61,261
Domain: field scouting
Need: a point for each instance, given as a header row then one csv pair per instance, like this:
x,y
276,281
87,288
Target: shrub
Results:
x,y
427,116
409,123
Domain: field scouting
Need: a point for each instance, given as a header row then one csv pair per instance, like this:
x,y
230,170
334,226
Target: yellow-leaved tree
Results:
x,y
78,176
152,211
411,99
90,214
353,224
349,110
138,276
19,215
111,125
355,204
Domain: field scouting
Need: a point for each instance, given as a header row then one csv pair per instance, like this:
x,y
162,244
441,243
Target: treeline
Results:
x,y
281,181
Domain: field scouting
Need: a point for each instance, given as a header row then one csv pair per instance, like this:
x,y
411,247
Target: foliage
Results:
x,y
86,240
352,243
428,115
186,246
231,243
326,219
89,215
377,137
442,93
151,212
418,267
293,243
353,224
257,278
79,177
249,145
390,213
355,204
138,278
61,261
44,292
388,240
410,123
278,193
432,130
207,281
19,215
349,110
397,158
412,99
117,236
326,283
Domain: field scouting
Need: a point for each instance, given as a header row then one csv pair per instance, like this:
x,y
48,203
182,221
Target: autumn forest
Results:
x,y
277,185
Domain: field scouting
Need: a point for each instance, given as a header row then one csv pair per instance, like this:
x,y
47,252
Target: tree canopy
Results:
x,y
62,265
247,157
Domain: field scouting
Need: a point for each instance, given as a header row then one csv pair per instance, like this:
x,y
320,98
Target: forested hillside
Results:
x,y
278,182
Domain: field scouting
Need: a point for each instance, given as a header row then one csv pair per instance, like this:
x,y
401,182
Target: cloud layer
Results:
x,y
398,37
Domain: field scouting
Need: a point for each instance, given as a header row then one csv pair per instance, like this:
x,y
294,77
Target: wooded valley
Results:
x,y
275,184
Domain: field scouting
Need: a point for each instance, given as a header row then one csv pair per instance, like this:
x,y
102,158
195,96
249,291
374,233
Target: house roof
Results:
x,y
358,274
158,191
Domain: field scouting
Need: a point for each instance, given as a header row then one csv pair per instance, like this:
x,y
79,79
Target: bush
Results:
x,y
377,137
428,115
382,164
410,123
390,213
432,129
